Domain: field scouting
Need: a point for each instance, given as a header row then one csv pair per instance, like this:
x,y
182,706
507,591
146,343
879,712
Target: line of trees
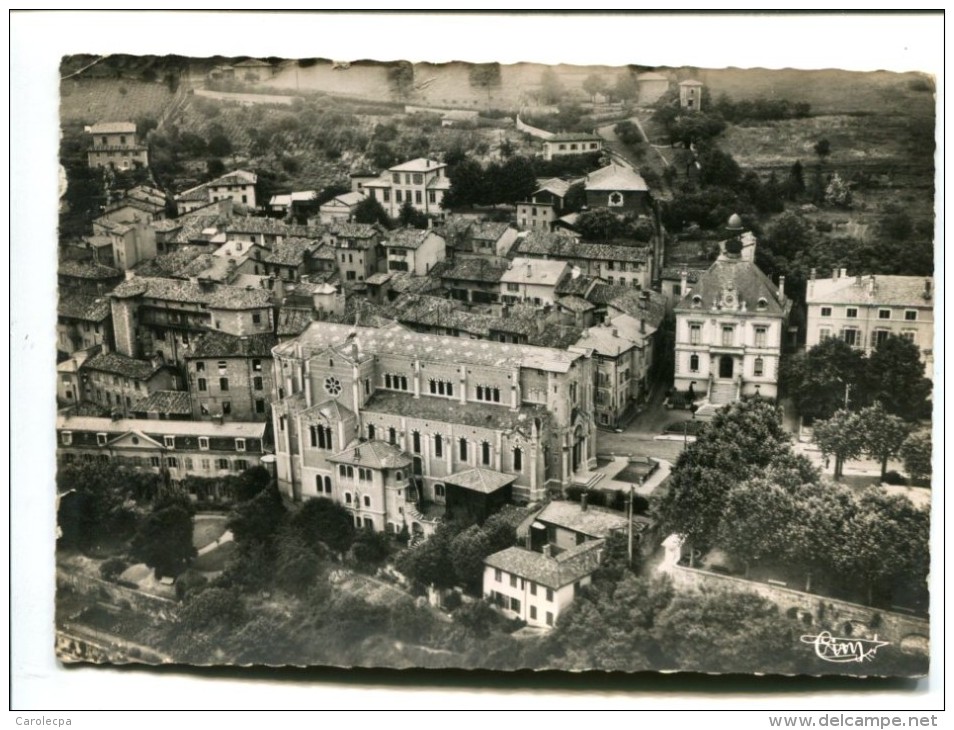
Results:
x,y
832,375
741,487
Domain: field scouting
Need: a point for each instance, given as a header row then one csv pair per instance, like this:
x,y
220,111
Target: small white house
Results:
x,y
536,587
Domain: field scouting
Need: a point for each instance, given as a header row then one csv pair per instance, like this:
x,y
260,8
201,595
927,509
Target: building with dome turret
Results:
x,y
730,324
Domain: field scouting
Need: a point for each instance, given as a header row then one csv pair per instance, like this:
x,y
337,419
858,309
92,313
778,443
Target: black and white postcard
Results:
x,y
402,363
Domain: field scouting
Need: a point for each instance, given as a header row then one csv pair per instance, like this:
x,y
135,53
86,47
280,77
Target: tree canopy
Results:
x,y
740,442
164,541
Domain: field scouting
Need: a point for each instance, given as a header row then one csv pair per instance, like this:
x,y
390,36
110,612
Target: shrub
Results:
x,y
894,478
189,583
112,568
452,601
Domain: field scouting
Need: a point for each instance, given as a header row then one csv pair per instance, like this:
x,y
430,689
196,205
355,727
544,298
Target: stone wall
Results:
x,y
865,621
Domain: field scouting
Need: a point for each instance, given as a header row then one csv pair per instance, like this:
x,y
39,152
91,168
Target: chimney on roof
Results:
x,y
683,281
547,551
834,273
871,285
858,280
529,270
927,288
781,287
575,272
642,326
354,351
615,332
130,274
583,500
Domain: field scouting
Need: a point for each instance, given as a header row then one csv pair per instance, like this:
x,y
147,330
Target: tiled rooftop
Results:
x,y
216,297
353,230
89,307
574,303
87,270
481,270
118,364
534,272
410,238
169,264
551,572
561,246
290,252
292,321
220,344
172,402
488,230
157,429
113,128
485,481
575,137
902,291
449,410
594,521
747,280
372,454
321,335
331,410
421,164
642,304
615,177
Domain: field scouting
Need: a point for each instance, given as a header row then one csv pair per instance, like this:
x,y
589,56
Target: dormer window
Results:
x,y
615,199
696,301
763,303
101,439
169,442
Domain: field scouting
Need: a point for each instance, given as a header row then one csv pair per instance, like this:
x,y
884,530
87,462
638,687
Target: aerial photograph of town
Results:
x,y
375,363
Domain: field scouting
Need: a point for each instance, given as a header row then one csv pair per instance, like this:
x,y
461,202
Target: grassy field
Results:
x,y
320,141
828,91
872,140
91,100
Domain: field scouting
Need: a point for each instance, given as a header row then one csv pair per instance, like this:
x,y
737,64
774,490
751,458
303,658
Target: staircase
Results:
x,y
722,393
586,478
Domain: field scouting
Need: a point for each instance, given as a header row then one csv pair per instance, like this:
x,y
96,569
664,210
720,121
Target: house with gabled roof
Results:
x,y
230,376
177,448
83,320
537,587
730,326
617,187
532,280
340,208
114,381
572,143
420,183
164,317
615,263
116,145
865,310
238,185
472,280
546,204
413,250
564,524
